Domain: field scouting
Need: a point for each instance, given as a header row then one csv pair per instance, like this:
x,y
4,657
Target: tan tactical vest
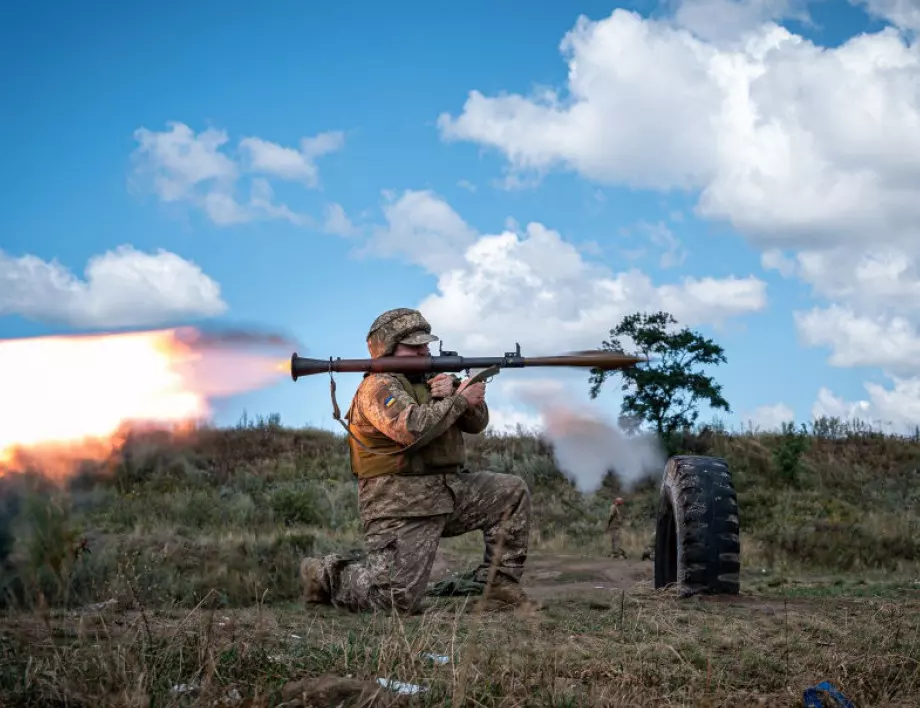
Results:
x,y
446,451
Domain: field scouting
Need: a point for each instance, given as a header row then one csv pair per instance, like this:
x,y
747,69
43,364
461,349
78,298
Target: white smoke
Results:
x,y
586,444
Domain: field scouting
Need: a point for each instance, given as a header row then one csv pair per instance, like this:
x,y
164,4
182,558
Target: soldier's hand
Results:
x,y
441,385
474,393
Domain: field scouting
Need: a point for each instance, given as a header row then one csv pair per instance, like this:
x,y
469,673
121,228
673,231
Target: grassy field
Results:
x,y
168,576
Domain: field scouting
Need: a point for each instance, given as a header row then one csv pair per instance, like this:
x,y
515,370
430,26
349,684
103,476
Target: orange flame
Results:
x,y
72,397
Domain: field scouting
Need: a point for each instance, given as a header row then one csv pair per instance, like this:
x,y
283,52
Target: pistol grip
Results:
x,y
482,376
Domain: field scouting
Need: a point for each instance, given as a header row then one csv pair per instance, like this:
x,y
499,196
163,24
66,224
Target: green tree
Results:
x,y
665,392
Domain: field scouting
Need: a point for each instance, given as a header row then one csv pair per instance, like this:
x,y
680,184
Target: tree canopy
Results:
x,y
667,391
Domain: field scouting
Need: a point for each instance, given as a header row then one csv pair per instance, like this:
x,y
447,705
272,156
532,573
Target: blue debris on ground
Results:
x,y
813,700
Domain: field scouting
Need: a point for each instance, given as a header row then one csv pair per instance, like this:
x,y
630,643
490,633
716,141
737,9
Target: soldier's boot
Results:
x,y
510,596
312,577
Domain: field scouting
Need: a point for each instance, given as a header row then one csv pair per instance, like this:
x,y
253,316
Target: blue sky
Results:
x,y
619,174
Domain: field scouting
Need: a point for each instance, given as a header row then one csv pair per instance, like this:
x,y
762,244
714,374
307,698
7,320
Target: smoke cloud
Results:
x,y
587,445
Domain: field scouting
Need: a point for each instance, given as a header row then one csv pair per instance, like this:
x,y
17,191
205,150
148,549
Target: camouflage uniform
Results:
x,y
409,502
614,527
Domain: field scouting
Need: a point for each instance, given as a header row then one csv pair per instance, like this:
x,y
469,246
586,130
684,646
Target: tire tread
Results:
x,y
698,494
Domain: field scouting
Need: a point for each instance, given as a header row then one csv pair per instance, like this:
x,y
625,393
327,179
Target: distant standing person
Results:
x,y
614,527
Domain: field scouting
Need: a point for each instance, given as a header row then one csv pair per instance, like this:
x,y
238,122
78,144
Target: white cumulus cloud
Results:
x,y
179,165
900,13
809,152
179,160
791,142
424,229
769,417
121,288
878,278
888,341
534,285
289,163
538,288
895,409
716,20
337,222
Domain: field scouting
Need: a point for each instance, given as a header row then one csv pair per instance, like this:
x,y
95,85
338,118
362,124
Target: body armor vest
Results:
x,y
447,452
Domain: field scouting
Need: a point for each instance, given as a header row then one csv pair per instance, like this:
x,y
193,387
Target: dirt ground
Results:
x,y
551,576
559,578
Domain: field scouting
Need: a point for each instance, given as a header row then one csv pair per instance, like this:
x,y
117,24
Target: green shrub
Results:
x,y
787,455
302,505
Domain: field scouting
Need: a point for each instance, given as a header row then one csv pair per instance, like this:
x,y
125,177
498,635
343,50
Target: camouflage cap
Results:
x,y
398,326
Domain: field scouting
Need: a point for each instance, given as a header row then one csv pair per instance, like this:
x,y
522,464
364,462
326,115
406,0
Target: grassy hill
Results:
x,y
221,520
236,508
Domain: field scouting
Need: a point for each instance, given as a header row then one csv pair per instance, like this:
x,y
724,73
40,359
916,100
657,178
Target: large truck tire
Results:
x,y
697,534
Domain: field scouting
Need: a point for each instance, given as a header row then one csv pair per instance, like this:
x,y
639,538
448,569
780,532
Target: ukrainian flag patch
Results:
x,y
389,401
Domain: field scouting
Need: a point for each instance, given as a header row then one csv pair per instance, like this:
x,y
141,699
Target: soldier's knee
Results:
x,y
518,495
517,487
507,486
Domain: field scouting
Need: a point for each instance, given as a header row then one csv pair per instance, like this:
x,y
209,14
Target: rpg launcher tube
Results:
x,y
599,359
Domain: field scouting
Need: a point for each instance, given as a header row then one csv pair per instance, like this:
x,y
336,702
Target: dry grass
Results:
x,y
197,544
640,647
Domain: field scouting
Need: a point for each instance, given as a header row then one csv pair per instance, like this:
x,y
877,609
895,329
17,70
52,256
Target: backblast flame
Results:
x,y
71,397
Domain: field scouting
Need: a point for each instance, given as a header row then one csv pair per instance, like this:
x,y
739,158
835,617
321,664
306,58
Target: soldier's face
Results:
x,y
406,350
